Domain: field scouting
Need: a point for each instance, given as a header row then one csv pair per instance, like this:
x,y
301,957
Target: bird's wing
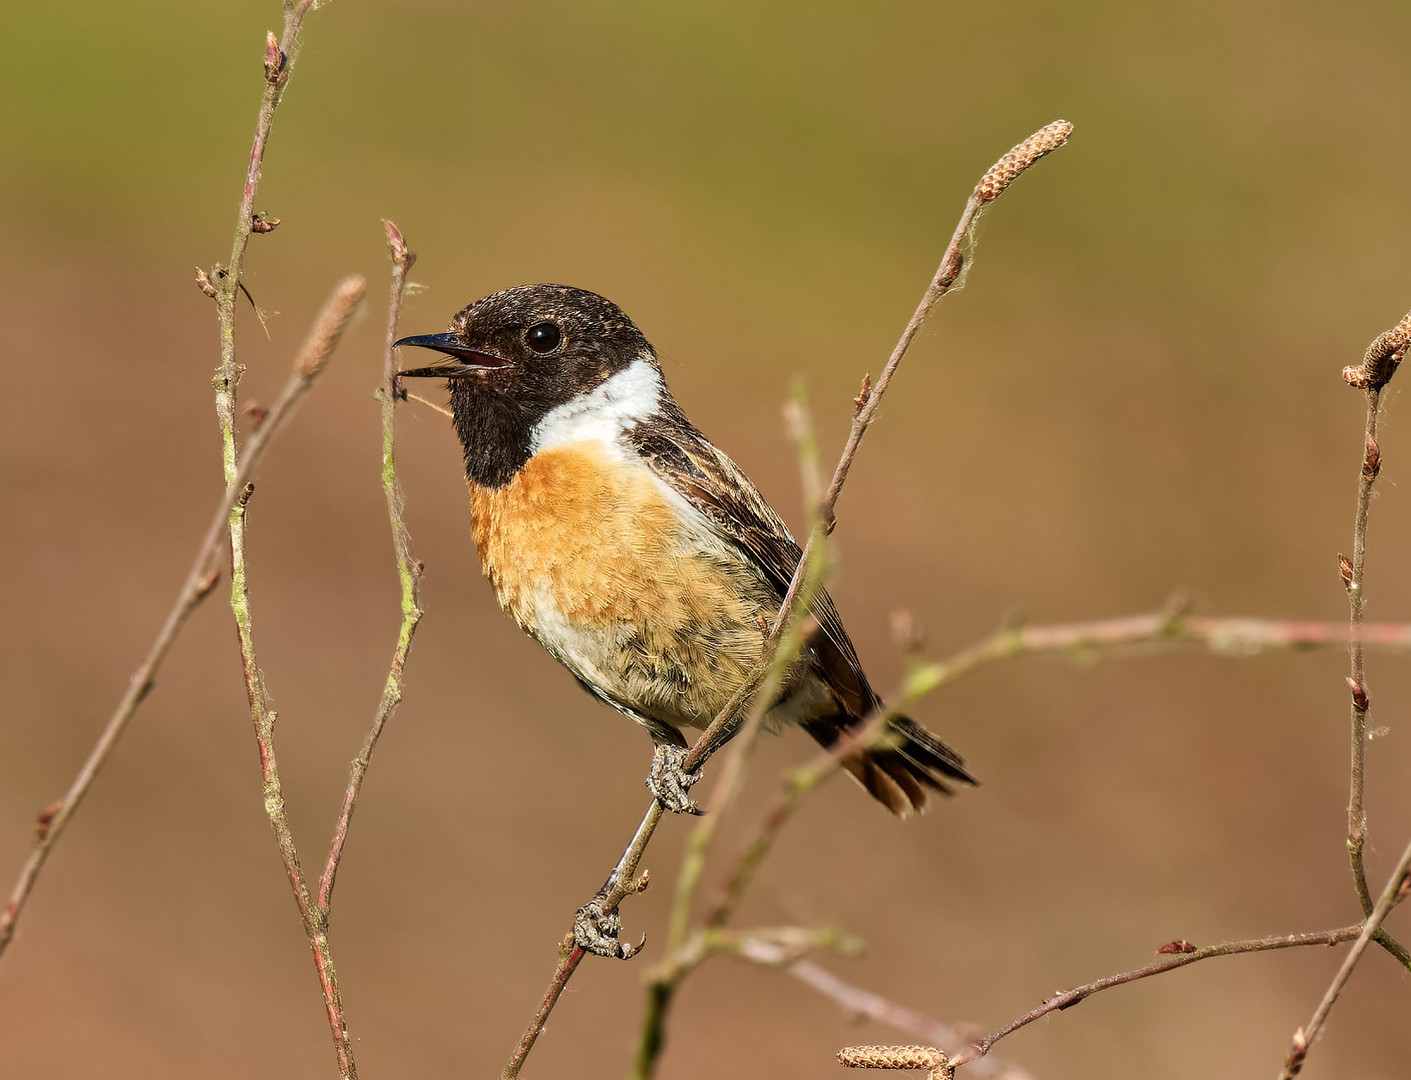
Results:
x,y
686,460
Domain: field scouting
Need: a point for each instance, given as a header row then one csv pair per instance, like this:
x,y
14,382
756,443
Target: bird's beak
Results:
x,y
463,360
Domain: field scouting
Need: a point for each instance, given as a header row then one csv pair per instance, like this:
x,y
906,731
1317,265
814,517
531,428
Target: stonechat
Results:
x,y
637,553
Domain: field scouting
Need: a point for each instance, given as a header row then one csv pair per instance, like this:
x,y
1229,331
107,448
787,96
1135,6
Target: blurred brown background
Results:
x,y
1137,391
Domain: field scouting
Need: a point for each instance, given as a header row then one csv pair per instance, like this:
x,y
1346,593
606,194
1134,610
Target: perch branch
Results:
x,y
808,574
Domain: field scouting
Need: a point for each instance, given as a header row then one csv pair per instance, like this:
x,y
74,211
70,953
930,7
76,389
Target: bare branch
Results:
x,y
332,320
1378,366
1169,962
200,580
408,568
808,575
1393,894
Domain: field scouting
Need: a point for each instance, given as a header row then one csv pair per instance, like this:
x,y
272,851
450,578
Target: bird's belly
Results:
x,y
623,582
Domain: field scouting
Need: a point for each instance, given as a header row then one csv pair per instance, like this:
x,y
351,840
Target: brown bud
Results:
x,y
245,493
863,396
1181,945
261,222
274,58
1372,460
46,817
1294,1062
255,413
1345,569
1359,694
397,244
1009,168
642,882
203,282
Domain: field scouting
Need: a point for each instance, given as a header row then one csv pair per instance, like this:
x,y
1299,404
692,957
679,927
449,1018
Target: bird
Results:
x,y
636,552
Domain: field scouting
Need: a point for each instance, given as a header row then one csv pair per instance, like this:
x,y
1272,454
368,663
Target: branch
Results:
x,y
328,328
1379,364
808,575
858,1002
280,56
1395,891
1377,368
200,580
1223,636
408,568
1171,959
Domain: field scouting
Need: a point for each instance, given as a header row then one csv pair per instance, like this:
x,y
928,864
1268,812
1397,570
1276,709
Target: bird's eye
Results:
x,y
543,338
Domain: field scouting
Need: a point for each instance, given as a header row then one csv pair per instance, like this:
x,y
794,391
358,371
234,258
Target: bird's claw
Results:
x,y
669,782
595,930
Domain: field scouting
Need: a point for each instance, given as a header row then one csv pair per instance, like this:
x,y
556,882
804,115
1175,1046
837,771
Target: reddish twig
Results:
x,y
1393,894
280,55
1169,962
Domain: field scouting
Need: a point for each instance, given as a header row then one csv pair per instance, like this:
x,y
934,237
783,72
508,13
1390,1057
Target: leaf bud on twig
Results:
x,y
274,58
203,282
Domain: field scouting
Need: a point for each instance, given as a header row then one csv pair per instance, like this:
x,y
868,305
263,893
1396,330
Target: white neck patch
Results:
x,y
602,415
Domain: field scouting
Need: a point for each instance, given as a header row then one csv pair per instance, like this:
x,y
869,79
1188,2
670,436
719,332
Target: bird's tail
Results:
x,y
904,768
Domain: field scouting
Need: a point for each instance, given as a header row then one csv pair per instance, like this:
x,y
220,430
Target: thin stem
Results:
x,y
1068,998
570,955
1356,598
280,57
808,575
200,580
328,328
408,568
1392,895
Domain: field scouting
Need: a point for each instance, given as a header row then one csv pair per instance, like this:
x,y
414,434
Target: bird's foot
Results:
x,y
669,782
595,930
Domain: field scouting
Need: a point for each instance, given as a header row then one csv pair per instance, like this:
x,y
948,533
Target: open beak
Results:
x,y
462,360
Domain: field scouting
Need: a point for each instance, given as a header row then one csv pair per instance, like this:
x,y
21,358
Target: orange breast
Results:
x,y
595,561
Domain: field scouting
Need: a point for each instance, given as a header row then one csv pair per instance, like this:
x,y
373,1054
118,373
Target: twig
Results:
x,y
786,943
328,329
808,574
614,890
1393,894
1169,962
280,56
1224,636
200,580
1379,364
783,649
1377,367
408,568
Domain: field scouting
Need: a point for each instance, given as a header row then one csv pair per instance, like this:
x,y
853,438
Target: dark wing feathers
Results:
x,y
897,775
716,486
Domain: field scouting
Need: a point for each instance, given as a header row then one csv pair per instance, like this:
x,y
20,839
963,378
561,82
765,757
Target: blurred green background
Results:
x,y
1136,392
